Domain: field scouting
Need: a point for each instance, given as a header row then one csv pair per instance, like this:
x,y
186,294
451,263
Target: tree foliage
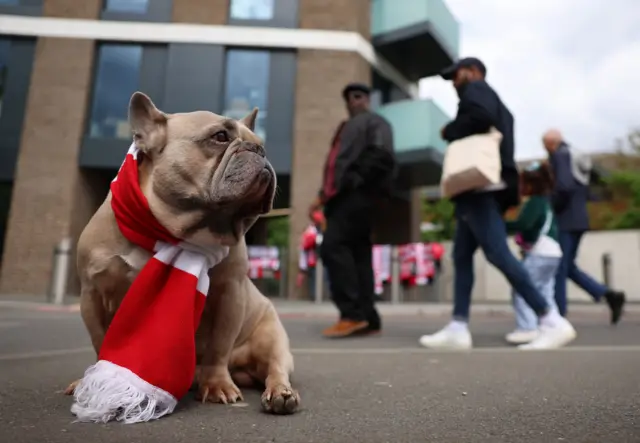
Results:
x,y
624,181
278,232
441,214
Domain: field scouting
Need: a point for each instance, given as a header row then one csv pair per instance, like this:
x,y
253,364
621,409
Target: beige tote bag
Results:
x,y
471,163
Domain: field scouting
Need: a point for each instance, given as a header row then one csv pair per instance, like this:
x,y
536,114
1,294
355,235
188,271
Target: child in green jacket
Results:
x,y
537,235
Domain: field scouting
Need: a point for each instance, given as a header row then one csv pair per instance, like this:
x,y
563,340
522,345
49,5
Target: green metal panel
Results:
x,y
416,124
392,15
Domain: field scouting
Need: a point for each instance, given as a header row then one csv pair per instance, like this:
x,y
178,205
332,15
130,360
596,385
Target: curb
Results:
x,y
308,309
37,306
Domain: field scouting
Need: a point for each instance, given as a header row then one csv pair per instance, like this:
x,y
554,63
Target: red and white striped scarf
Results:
x,y
147,359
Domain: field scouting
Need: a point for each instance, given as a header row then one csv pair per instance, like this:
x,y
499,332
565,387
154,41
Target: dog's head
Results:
x,y
206,177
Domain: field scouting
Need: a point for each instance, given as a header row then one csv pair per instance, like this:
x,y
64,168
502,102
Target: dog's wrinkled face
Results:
x,y
206,176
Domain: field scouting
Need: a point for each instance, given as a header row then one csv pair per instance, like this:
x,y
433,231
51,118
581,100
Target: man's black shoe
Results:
x,y
616,301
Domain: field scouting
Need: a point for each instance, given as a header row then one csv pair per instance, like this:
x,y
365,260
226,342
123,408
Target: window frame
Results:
x,y
157,11
107,153
21,55
226,77
285,15
158,80
279,127
23,7
92,93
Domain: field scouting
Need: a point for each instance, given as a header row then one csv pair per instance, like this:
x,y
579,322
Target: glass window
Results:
x,y
247,86
117,77
252,9
5,46
132,6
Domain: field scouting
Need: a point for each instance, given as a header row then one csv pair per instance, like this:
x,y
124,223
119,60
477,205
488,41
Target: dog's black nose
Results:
x,y
252,147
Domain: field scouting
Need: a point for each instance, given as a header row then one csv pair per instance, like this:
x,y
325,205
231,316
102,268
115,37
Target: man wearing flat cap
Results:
x,y
479,216
360,168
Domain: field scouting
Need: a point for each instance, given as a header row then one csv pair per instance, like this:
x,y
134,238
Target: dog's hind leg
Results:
x,y
274,361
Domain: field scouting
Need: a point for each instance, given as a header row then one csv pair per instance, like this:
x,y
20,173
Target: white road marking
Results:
x,y
352,351
43,354
9,324
505,349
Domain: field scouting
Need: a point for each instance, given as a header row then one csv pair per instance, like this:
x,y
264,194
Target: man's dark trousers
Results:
x,y
346,252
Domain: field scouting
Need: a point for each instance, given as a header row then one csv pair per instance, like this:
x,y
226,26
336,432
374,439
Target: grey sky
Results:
x,y
572,64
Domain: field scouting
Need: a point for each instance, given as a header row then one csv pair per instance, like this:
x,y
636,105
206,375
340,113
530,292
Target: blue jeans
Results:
x,y
479,223
569,243
542,271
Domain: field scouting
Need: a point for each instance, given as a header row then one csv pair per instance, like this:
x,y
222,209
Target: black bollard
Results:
x,y
606,269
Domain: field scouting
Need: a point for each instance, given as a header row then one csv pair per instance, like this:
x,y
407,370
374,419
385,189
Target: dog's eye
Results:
x,y
220,137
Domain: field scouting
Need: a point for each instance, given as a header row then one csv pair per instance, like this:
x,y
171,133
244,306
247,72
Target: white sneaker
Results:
x,y
448,338
521,336
552,336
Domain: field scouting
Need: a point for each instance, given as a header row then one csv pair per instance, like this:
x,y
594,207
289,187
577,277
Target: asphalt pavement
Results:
x,y
376,389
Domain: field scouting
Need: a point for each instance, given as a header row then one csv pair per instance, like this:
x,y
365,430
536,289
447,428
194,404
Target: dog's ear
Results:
x,y
250,120
147,122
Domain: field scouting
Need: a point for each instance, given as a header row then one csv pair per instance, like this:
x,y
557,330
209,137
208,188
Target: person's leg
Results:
x,y
526,319
585,282
338,258
615,299
456,334
568,247
546,279
364,266
484,219
542,271
464,248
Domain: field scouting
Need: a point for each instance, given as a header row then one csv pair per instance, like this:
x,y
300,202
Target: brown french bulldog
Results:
x,y
207,180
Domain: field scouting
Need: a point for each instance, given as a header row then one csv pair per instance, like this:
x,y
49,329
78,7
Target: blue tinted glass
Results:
x,y
117,77
135,6
252,9
5,45
247,86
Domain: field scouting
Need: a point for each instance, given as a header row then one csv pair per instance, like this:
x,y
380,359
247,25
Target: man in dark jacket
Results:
x,y
570,196
479,216
359,168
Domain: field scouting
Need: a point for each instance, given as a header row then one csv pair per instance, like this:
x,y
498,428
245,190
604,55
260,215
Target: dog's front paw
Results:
x,y
280,399
72,387
219,390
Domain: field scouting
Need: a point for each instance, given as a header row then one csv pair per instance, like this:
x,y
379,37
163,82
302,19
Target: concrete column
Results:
x,y
50,199
319,107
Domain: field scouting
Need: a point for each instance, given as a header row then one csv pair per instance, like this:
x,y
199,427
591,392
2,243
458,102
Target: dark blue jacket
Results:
x,y
479,109
569,196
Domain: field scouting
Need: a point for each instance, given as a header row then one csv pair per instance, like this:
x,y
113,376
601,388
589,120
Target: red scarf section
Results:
x,y
147,359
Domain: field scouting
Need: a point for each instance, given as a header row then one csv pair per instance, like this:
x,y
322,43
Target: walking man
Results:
x,y
570,195
359,169
479,217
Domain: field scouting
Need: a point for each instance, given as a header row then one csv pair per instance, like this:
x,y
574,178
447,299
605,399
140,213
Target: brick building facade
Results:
x,y
68,68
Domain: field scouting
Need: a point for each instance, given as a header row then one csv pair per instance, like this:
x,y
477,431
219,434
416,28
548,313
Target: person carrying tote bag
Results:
x,y
481,176
472,163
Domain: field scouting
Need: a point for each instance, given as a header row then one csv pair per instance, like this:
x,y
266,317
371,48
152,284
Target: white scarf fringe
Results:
x,y
110,392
